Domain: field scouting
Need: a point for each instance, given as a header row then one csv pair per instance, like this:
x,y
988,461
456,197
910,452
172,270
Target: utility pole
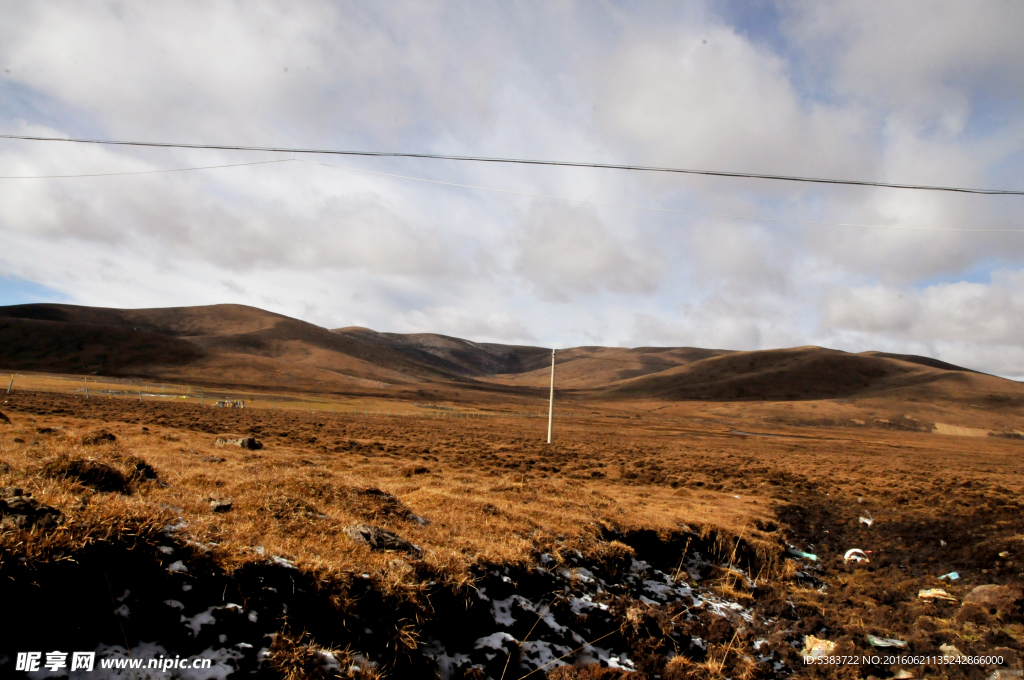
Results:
x,y
551,399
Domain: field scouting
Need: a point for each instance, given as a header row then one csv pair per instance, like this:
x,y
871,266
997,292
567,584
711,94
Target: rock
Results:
x,y
4,419
249,443
96,438
380,539
212,459
223,505
22,512
1005,600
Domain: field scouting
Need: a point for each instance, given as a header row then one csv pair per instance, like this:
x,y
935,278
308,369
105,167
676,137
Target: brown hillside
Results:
x,y
231,344
599,367
782,375
449,355
69,347
235,345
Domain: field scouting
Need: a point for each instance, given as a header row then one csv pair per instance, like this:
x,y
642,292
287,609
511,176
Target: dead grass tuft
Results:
x,y
684,668
87,472
297,657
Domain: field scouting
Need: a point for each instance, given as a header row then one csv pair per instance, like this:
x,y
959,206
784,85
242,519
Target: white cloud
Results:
x,y
564,251
957,312
914,92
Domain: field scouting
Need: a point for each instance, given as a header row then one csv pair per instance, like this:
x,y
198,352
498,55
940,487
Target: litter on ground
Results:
x,y
935,594
950,651
817,647
886,642
805,555
856,554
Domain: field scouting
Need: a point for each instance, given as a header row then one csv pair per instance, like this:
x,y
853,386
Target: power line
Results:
x,y
142,172
668,210
524,161
522,193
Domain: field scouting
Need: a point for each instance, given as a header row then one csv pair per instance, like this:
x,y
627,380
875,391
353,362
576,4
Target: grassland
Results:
x,y
698,493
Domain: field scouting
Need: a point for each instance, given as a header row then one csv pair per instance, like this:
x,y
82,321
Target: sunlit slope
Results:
x,y
804,373
246,346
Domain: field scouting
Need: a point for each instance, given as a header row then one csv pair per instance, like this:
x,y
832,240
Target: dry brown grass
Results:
x,y
494,494
297,657
295,503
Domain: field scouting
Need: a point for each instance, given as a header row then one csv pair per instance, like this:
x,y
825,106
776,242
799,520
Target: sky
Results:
x,y
911,92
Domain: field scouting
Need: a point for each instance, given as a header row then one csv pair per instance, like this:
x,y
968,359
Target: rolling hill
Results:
x,y
238,345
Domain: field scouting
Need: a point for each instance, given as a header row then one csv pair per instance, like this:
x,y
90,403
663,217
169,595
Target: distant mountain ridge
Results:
x,y
241,345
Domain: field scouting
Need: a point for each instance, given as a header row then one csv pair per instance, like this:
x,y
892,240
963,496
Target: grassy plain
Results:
x,y
635,478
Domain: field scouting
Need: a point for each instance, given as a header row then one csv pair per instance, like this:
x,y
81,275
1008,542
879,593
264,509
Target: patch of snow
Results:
x,y
503,609
661,591
199,620
580,605
171,528
584,575
539,653
637,566
331,664
447,663
493,641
